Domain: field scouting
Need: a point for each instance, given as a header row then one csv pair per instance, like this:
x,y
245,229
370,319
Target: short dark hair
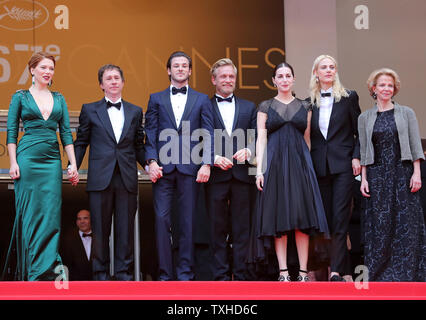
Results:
x,y
178,54
109,67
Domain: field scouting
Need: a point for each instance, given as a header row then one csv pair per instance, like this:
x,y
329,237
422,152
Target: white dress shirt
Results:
x,y
227,112
325,109
87,241
117,118
178,104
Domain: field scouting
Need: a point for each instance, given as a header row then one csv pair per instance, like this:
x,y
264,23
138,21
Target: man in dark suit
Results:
x,y
113,129
179,151
228,190
76,249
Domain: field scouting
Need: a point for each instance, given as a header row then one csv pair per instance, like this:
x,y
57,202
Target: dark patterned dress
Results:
x,y
394,227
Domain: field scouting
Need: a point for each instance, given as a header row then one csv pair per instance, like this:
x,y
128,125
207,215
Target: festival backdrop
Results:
x,y
139,36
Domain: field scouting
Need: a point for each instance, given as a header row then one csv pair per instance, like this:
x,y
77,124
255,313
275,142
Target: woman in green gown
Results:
x,y
35,167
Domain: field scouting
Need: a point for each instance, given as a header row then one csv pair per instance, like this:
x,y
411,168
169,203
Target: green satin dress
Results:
x,y
38,191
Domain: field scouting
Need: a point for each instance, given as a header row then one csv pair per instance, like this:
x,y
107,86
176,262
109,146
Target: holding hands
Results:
x,y
155,172
73,174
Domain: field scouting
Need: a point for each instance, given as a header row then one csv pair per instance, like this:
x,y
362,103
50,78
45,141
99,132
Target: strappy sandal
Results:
x,y
282,277
303,278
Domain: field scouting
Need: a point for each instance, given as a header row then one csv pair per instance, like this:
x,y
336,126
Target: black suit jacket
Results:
x,y
244,119
342,143
74,257
95,129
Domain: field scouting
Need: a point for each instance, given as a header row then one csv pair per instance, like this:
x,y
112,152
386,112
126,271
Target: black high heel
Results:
x,y
304,278
284,278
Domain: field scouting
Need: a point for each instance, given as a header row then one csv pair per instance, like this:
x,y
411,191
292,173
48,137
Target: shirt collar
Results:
x,y
81,232
328,90
107,99
231,96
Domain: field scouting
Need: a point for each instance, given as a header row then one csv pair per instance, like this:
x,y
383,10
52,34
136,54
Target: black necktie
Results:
x,y
176,90
117,105
326,94
220,99
87,235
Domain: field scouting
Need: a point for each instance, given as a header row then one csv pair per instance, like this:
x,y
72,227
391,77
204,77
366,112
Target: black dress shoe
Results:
x,y
337,278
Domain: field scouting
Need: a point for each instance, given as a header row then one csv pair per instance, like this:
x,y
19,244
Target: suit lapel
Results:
x,y
101,110
236,114
216,110
192,97
167,103
127,118
315,120
334,117
82,249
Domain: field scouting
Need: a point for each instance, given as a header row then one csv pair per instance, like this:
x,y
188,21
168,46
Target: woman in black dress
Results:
x,y
394,230
289,198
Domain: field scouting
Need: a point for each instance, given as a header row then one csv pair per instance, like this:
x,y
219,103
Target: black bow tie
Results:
x,y
87,235
117,105
220,99
181,90
326,94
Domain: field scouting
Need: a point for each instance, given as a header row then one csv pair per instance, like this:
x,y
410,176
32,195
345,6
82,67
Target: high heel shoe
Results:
x,y
282,277
303,278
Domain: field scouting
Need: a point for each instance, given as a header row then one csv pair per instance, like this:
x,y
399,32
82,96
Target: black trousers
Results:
x,y
228,207
336,192
114,199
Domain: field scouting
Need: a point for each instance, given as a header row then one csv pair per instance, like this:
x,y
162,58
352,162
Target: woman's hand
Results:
x,y
415,182
14,171
364,188
259,182
73,175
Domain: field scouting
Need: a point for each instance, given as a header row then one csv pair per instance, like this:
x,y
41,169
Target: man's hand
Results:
x,y
223,163
203,174
155,172
242,155
356,167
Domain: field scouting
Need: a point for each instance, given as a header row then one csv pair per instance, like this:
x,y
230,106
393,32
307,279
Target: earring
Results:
x,y
374,95
33,81
50,83
316,79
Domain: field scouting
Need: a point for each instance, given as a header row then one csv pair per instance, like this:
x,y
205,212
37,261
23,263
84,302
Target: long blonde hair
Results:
x,y
339,90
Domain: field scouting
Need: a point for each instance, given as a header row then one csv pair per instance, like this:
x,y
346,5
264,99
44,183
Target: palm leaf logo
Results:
x,y
19,14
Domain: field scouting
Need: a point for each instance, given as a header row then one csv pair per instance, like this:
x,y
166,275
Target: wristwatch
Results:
x,y
151,161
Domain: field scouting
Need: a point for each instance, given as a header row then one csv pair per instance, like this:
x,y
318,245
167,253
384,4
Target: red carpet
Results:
x,y
200,290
